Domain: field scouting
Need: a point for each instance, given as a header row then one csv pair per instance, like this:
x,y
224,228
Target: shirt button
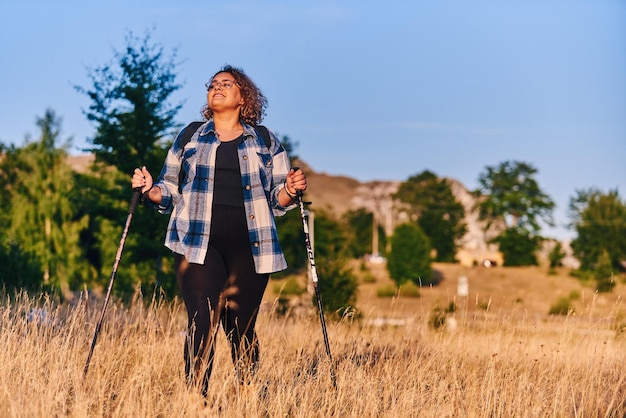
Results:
x,y
245,157
256,244
251,216
247,187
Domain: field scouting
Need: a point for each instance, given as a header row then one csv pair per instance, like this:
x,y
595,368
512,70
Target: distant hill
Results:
x,y
339,194
81,163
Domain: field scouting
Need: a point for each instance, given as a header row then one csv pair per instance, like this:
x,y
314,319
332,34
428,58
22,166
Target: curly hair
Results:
x,y
253,109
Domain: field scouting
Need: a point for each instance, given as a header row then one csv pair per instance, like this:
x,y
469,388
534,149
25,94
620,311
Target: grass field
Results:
x,y
499,354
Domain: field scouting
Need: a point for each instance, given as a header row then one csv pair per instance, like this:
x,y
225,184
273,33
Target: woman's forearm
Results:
x,y
284,198
154,195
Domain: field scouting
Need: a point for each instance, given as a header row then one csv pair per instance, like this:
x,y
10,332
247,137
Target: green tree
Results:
x,y
556,255
290,147
290,232
409,259
604,275
291,237
600,222
438,213
337,283
41,220
338,286
360,224
135,125
130,106
509,195
18,270
518,246
8,177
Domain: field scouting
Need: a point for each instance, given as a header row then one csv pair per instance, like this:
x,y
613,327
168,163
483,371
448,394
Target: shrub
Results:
x,y
582,275
338,286
387,291
620,325
368,277
483,306
437,318
518,247
556,256
604,273
409,259
409,289
574,295
289,286
562,306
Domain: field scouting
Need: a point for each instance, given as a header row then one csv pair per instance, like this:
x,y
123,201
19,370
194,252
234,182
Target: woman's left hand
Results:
x,y
296,180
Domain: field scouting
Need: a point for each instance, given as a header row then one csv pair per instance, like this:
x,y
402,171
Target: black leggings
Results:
x,y
225,289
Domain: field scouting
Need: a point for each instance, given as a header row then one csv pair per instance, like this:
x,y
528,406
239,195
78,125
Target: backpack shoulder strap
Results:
x,y
187,134
265,134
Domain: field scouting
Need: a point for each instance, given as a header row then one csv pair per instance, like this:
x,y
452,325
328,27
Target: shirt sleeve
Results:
x,y
281,167
168,178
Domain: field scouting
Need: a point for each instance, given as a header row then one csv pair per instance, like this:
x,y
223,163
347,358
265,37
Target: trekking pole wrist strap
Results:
x,y
291,195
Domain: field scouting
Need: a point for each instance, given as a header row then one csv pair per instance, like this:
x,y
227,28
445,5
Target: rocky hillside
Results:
x,y
339,194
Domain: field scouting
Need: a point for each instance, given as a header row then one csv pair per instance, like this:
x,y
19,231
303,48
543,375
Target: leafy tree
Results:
x,y
130,106
556,255
18,269
600,222
290,146
605,281
518,246
438,213
134,126
509,193
338,285
409,259
290,232
360,226
42,223
291,236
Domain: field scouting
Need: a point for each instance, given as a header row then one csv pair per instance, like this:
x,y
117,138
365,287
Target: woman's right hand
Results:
x,y
142,178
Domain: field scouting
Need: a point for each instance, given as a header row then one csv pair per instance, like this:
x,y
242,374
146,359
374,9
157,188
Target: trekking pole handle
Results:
x,y
134,201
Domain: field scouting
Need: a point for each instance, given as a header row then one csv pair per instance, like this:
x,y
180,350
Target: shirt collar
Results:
x,y
209,127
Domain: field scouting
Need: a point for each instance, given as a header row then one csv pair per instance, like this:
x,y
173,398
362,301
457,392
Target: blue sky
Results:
x,y
371,90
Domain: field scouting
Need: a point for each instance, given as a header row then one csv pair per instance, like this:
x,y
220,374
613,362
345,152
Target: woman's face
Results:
x,y
224,93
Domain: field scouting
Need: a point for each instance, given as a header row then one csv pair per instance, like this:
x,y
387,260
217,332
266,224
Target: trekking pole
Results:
x,y
318,296
131,210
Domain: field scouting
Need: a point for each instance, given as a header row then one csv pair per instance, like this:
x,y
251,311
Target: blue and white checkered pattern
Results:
x,y
263,172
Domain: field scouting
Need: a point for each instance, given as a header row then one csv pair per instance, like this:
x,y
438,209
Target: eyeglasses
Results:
x,y
225,85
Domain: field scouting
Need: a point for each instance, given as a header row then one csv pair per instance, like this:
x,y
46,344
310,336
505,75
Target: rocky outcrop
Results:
x,y
339,194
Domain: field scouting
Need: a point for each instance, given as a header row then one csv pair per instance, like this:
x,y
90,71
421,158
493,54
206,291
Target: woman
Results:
x,y
223,190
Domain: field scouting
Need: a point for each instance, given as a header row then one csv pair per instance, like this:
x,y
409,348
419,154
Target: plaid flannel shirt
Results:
x,y
263,173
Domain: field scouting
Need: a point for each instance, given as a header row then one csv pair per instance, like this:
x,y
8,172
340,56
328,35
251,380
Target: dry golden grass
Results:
x,y
505,358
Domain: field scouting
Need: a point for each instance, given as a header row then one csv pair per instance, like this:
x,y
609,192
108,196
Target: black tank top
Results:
x,y
228,190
